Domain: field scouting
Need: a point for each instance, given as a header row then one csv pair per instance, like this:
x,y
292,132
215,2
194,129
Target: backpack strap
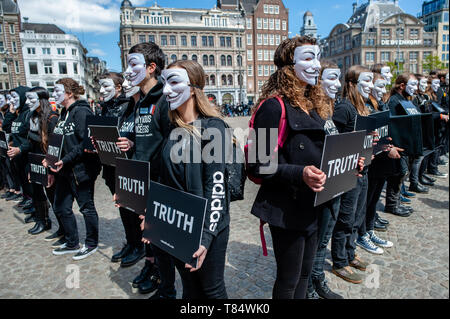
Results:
x,y
263,238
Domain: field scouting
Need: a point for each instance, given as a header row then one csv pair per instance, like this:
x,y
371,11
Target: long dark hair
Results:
x,y
43,115
351,92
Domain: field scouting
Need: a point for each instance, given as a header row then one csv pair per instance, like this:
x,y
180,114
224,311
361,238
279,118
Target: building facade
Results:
x,y
380,32
213,37
12,72
266,25
50,54
94,68
309,28
435,16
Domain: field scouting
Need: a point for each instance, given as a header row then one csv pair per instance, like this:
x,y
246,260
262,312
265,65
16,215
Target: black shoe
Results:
x,y
14,197
425,182
160,295
406,208
125,251
24,201
145,273
438,174
59,243
151,283
417,188
41,226
29,211
428,178
324,291
7,194
379,226
382,220
397,211
30,219
133,257
28,205
56,235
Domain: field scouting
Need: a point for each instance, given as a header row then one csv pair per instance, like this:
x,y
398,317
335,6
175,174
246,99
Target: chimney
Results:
x,y
396,3
355,5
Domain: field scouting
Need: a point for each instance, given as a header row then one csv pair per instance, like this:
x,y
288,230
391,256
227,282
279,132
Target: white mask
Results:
x,y
435,84
129,89
365,84
2,101
107,89
59,94
446,79
15,100
379,89
307,64
386,73
9,99
32,101
137,68
176,87
330,82
423,85
411,87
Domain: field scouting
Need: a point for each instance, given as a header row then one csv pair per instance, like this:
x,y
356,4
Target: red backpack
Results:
x,y
250,146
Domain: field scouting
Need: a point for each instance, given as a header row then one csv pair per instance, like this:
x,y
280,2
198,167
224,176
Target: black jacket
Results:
x,y
7,121
21,124
77,163
201,179
115,107
34,141
284,200
394,104
344,116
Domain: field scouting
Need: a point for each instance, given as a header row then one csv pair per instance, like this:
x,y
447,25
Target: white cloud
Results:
x,y
97,52
98,16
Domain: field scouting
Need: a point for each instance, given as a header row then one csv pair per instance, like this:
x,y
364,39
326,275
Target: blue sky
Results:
x,y
96,22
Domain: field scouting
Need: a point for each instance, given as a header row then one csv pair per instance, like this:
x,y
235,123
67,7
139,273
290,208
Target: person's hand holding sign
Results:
x,y
314,178
59,165
394,152
13,152
200,254
124,144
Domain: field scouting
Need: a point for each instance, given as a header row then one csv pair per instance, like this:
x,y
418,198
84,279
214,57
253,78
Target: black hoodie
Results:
x,y
21,124
72,124
115,107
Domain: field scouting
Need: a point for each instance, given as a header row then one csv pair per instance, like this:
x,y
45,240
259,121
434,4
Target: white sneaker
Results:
x,y
84,252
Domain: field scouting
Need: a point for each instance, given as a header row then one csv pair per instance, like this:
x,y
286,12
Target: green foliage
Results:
x,y
431,63
395,70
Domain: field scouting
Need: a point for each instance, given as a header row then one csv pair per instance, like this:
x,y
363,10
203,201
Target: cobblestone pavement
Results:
x,y
416,267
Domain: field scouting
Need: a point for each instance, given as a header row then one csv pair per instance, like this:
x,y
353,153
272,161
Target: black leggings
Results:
x,y
20,168
294,254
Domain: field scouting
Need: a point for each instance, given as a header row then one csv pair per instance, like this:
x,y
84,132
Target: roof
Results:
x,y
42,28
372,12
308,13
249,5
126,3
9,6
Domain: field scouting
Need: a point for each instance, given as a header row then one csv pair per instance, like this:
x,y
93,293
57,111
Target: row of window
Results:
x,y
386,56
13,45
209,60
226,80
47,51
48,67
207,41
445,47
271,9
265,39
270,24
12,29
4,68
263,70
413,33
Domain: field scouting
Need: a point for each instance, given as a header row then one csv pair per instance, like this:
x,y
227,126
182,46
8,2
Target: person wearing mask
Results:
x,y
6,118
285,199
352,211
18,137
192,119
367,238
42,122
76,172
318,286
151,126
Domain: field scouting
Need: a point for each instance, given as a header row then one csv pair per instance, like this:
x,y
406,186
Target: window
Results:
x,y
266,55
184,40
5,68
272,69
239,60
249,23
277,9
75,68
270,9
414,33
212,60
385,56
62,68
1,28
369,42
224,80
50,86
413,56
205,60
259,38
204,41
229,60
385,33
400,32
14,47
12,30
211,41
370,57
271,24
16,64
260,55
164,40
33,67
249,39
266,8
222,41
400,57
31,50
194,58
129,40
223,60
260,84
266,23
74,52
413,68
249,55
260,70
250,70
173,40
266,70
228,42
151,38
426,54
212,79
2,46
284,25
277,24
184,57
266,39
173,58
194,40
230,79
258,23
48,68
239,42
61,51
271,39
277,39
141,38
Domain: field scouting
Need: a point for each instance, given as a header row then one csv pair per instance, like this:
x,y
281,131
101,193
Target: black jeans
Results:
x,y
294,255
207,282
375,188
132,226
66,191
13,178
326,227
415,170
352,213
20,168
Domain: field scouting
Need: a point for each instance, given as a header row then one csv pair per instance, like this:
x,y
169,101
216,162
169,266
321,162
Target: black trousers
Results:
x,y
13,179
207,282
20,169
376,184
66,191
294,255
166,265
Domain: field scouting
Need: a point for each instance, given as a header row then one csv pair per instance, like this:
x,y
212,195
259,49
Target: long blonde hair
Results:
x,y
285,83
197,78
351,92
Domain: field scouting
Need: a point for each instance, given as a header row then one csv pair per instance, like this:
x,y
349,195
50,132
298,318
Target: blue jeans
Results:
x,y
352,213
326,226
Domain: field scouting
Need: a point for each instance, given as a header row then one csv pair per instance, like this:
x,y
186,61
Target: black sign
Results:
x,y
132,184
437,107
369,125
3,144
38,173
55,144
98,121
406,133
382,129
106,138
409,108
174,221
340,163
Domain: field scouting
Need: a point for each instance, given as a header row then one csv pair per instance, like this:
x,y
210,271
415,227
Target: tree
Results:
x,y
395,72
432,62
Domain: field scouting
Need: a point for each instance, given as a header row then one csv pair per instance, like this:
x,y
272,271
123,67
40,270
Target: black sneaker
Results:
x,y
55,235
63,250
324,291
24,202
59,243
84,252
7,194
15,197
439,174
